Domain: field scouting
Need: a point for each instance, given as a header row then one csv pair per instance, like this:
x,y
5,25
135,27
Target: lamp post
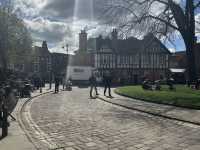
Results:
x,y
67,49
66,71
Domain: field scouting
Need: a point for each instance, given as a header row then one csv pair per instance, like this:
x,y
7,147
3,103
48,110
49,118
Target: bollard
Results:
x,y
5,122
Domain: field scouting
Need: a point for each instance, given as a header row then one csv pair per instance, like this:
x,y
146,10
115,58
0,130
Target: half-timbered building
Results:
x,y
130,60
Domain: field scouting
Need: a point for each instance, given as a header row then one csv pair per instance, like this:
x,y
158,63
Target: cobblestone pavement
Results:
x,y
72,121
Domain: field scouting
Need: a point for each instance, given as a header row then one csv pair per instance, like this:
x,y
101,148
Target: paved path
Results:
x,y
72,121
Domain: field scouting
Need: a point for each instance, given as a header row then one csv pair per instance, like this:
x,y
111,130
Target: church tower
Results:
x,y
83,41
44,45
114,38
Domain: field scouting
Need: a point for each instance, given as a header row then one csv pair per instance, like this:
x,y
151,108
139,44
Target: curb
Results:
x,y
150,113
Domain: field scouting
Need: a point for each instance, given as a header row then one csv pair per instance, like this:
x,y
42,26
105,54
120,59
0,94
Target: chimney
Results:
x,y
44,44
114,34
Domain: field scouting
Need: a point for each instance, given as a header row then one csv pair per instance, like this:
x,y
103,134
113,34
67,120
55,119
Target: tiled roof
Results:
x,y
129,45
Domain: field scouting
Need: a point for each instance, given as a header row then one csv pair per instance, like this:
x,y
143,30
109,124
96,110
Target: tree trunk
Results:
x,y
3,56
190,40
191,68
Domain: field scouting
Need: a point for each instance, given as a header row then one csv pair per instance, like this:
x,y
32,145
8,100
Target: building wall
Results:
x,y
133,67
178,60
41,66
59,63
132,59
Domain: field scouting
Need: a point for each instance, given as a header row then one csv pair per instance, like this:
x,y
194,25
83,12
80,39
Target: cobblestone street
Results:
x,y
72,121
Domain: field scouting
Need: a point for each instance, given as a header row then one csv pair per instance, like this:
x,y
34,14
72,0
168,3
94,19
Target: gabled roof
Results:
x,y
149,39
129,45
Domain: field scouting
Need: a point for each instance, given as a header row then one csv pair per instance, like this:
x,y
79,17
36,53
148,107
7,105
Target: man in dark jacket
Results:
x,y
107,82
93,84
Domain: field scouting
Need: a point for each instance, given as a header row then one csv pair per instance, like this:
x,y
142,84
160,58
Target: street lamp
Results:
x,y
67,50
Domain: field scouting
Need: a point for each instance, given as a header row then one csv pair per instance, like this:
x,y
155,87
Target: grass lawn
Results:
x,y
182,96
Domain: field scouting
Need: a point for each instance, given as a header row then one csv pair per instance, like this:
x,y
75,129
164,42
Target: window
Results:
x,y
48,64
96,60
48,68
37,60
118,61
167,61
48,60
78,70
36,67
142,61
11,66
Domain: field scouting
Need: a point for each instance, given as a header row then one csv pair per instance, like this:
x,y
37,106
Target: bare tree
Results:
x,y
161,17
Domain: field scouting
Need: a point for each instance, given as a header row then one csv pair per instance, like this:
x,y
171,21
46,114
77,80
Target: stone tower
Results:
x,y
44,45
114,34
83,41
114,38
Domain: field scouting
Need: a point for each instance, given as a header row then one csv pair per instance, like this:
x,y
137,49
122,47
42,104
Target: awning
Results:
x,y
175,70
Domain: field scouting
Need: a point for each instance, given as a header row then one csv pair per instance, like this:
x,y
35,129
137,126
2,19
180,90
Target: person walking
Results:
x,y
93,85
40,84
107,83
64,82
57,84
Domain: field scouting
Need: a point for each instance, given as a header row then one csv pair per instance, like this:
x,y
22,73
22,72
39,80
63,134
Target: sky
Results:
x,y
59,21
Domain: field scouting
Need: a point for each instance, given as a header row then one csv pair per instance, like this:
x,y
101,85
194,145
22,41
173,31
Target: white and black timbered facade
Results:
x,y
131,60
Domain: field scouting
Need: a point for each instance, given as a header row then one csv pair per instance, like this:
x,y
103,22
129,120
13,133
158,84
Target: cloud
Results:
x,y
29,8
62,9
59,21
197,18
51,31
81,9
172,50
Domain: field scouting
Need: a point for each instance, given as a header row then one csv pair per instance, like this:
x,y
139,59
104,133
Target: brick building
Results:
x,y
178,63
41,62
59,62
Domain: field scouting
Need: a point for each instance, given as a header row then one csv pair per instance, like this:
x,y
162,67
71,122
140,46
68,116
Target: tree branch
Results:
x,y
197,5
162,20
122,7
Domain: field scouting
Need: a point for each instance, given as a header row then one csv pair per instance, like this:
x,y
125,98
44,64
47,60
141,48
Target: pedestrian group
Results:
x,y
107,79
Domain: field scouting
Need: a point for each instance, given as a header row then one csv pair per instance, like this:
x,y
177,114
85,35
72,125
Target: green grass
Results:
x,y
182,96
